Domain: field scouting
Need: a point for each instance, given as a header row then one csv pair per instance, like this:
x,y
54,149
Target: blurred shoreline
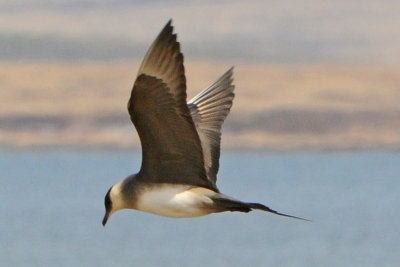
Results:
x,y
277,107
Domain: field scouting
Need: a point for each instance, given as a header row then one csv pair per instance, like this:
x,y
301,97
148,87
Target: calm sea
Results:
x,y
51,207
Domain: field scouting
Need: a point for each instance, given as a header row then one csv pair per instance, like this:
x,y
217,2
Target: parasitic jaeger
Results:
x,y
180,141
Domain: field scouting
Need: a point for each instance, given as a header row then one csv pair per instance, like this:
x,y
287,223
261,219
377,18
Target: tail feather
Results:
x,y
259,206
227,204
224,203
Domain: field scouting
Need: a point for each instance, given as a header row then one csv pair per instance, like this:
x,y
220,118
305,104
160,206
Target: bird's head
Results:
x,y
113,201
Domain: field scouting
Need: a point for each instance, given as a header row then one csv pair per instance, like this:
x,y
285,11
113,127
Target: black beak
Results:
x,y
105,218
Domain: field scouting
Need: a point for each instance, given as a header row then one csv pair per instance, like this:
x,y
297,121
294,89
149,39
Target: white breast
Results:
x,y
176,200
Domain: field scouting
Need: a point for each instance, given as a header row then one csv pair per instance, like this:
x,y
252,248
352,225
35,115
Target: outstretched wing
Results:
x,y
209,110
171,147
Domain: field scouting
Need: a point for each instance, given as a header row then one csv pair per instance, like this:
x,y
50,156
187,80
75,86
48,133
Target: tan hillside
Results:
x,y
276,106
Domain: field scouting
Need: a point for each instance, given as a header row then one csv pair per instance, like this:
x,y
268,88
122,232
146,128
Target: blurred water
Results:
x,y
51,207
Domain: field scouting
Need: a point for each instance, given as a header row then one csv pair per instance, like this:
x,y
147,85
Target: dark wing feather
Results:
x,y
209,110
164,61
171,147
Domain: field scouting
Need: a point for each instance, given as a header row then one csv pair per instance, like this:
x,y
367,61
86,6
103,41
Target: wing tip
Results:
x,y
168,27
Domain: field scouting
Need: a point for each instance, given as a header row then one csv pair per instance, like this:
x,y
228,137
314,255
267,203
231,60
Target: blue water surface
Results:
x,y
51,207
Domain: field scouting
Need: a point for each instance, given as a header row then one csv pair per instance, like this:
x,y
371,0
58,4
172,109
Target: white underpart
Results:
x,y
177,201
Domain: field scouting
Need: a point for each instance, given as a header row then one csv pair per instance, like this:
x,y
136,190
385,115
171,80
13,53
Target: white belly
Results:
x,y
178,201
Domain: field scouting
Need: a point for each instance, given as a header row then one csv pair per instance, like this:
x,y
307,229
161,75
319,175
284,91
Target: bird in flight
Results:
x,y
180,141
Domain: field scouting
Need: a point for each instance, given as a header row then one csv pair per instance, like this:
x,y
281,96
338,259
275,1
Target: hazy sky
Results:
x,y
350,31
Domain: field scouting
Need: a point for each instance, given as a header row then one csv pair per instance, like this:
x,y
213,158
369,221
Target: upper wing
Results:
x,y
165,61
171,147
209,110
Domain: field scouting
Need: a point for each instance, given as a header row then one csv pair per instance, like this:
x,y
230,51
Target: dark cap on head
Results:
x,y
108,206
